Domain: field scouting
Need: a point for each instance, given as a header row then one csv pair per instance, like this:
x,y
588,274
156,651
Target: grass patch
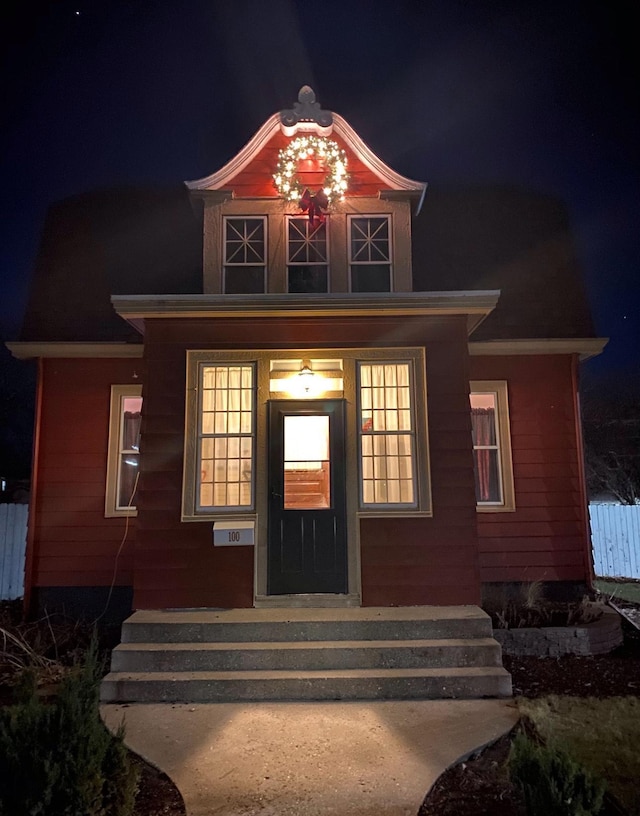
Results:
x,y
602,735
626,590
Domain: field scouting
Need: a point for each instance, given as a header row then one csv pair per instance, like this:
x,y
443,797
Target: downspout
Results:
x,y
584,508
30,558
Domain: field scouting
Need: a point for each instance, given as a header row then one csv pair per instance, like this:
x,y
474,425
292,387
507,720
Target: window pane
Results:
x,y
244,280
371,278
308,279
244,241
131,418
306,462
307,242
483,419
487,475
129,463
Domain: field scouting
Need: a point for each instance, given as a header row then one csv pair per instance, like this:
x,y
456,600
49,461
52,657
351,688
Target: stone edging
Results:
x,y
598,637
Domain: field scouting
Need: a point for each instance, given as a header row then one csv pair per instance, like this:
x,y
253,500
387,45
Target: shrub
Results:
x,y
59,759
551,782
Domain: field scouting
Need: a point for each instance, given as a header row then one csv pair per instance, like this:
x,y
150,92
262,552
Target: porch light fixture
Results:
x,y
306,384
306,379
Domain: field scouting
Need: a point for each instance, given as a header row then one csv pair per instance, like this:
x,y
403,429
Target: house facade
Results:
x,y
306,386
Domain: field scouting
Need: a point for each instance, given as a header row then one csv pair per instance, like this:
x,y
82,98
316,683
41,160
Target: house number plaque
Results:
x,y
233,533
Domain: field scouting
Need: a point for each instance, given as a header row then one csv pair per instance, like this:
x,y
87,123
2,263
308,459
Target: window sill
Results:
x,y
129,513
240,515
386,513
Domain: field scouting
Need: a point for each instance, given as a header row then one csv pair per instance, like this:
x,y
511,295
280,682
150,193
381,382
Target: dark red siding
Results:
x,y
404,561
256,179
73,544
545,538
433,560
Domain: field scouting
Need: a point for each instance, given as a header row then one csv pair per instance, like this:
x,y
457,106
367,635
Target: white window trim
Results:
x,y
351,263
112,487
499,389
231,264
200,435
419,433
289,262
191,508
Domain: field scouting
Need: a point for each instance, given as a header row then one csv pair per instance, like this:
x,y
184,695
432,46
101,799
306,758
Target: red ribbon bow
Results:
x,y
314,205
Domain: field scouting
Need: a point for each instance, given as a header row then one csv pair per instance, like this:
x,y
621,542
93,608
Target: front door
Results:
x,y
307,547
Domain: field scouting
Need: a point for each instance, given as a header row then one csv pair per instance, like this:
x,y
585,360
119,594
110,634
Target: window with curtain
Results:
x,y
387,435
226,429
491,446
123,456
245,255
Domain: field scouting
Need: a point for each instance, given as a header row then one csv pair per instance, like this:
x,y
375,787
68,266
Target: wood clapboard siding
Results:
x,y
74,544
544,539
405,561
176,563
432,560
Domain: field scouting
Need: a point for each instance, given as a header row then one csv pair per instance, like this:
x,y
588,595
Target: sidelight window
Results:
x,y
226,432
387,435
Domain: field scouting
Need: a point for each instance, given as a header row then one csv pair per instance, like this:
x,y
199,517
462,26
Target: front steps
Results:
x,y
368,653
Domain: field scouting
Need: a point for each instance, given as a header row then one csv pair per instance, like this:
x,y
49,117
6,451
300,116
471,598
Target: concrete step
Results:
x,y
314,656
362,684
287,625
352,653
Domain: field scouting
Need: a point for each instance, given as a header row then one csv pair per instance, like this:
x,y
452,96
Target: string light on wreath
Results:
x,y
327,154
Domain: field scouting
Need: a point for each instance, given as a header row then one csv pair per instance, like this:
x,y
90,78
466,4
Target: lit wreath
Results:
x,y
304,147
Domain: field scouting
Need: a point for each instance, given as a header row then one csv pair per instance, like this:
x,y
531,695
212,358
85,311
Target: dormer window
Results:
x,y
307,256
370,253
245,254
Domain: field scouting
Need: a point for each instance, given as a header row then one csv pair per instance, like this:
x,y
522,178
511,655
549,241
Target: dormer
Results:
x,y
307,207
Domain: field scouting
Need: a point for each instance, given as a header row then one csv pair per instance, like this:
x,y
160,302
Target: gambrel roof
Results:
x,y
133,241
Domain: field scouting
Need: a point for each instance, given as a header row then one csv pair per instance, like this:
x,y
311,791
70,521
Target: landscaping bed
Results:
x,y
478,787
481,786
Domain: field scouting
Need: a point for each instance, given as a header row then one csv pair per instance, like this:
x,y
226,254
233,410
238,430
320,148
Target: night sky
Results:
x,y
539,95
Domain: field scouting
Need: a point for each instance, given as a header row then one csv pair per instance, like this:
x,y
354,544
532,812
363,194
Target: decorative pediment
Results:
x,y
306,111
250,173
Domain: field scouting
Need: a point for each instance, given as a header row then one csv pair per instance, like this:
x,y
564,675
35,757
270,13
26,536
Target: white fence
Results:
x,y
615,537
13,542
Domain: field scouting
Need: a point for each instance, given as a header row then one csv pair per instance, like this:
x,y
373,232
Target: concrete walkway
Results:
x,y
289,759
